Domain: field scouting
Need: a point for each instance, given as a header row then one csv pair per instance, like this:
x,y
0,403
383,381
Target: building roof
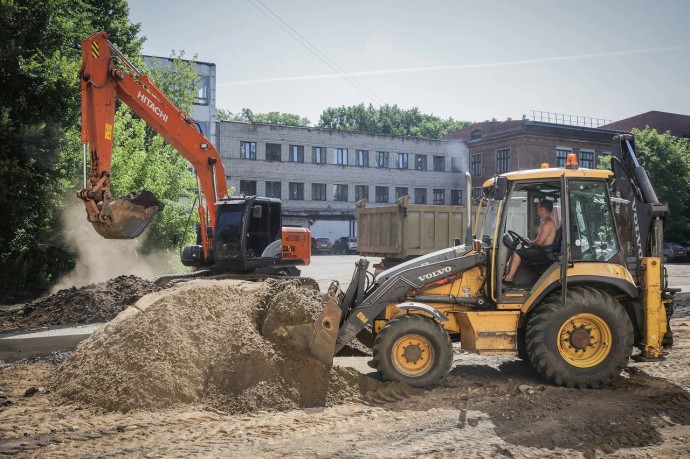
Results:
x,y
678,125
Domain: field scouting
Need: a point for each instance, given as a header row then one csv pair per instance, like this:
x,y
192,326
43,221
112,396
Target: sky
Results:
x,y
469,60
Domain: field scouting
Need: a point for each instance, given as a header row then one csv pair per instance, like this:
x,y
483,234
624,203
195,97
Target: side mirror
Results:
x,y
257,212
500,187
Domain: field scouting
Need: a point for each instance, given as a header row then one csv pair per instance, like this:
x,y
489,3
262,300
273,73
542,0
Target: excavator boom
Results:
x,y
102,83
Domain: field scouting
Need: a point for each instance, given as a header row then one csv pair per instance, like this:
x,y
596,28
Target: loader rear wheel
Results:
x,y
584,343
413,349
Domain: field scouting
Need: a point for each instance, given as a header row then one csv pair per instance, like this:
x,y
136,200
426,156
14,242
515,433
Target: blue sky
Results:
x,y
469,60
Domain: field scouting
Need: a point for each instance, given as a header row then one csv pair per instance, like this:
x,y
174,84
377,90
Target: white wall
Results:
x,y
332,229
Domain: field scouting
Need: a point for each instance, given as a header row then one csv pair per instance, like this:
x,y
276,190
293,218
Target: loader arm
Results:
x,y
102,83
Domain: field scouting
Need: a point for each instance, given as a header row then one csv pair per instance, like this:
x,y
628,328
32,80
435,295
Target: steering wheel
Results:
x,y
516,238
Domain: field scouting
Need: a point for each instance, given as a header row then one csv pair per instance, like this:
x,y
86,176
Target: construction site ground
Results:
x,y
486,407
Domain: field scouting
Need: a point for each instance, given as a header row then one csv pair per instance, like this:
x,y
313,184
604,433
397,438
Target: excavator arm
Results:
x,y
102,83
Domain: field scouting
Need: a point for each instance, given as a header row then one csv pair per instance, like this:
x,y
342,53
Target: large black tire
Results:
x,y
413,349
585,343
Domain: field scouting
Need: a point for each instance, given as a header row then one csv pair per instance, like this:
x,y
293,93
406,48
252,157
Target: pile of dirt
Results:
x,y
206,342
91,304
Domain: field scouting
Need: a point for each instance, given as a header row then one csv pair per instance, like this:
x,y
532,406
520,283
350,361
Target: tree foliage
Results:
x,y
387,120
667,160
247,116
659,154
39,115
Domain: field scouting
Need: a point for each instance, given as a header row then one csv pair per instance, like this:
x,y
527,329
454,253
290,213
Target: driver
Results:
x,y
535,251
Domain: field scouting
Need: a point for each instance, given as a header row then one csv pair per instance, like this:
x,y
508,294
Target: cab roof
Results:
x,y
553,173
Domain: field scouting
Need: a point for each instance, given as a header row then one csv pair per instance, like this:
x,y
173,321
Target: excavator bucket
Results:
x,y
126,218
317,338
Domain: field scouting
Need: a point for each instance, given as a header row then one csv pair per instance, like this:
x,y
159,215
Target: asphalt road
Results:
x,y
327,268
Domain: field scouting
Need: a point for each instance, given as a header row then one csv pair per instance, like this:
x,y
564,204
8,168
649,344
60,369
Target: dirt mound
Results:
x,y
206,341
85,305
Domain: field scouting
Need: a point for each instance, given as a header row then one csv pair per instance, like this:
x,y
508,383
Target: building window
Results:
x,y
503,160
273,152
439,163
296,191
455,197
363,158
340,193
476,134
420,195
382,159
361,192
561,156
248,150
318,191
587,159
273,189
420,162
318,155
476,165
401,161
202,91
340,155
456,164
248,187
439,197
382,194
296,153
401,191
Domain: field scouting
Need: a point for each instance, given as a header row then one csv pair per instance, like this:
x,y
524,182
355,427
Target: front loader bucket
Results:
x,y
127,217
317,338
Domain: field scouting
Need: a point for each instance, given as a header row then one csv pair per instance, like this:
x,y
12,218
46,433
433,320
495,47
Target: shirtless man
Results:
x,y
546,234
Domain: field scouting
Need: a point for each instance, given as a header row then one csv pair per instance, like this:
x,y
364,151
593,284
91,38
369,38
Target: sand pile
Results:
x,y
206,341
85,305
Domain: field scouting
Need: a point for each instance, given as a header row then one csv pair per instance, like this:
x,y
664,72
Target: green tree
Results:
x,y
247,116
660,154
39,116
388,120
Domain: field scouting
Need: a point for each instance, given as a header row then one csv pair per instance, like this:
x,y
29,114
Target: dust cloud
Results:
x,y
100,259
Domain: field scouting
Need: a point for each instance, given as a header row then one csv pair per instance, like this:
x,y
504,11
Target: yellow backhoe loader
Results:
x,y
599,290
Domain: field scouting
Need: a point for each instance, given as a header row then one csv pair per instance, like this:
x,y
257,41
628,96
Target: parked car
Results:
x,y
322,245
345,245
686,245
674,252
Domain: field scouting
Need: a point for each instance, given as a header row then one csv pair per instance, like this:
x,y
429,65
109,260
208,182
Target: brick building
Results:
x,y
677,125
502,146
319,174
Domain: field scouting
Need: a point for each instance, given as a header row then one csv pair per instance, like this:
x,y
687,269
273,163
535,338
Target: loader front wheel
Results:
x,y
413,349
585,343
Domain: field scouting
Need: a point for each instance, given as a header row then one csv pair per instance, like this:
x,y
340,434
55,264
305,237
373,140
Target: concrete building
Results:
x,y
503,146
319,174
677,125
204,108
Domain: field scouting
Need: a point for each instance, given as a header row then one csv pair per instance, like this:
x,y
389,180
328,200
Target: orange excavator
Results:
x,y
242,234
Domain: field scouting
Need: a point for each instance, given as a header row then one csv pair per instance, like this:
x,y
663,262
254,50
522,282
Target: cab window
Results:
x,y
593,232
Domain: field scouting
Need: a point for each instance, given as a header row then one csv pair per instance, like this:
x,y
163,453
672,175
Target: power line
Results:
x,y
314,50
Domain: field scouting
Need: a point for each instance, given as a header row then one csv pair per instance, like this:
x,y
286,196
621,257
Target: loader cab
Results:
x,y
588,228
